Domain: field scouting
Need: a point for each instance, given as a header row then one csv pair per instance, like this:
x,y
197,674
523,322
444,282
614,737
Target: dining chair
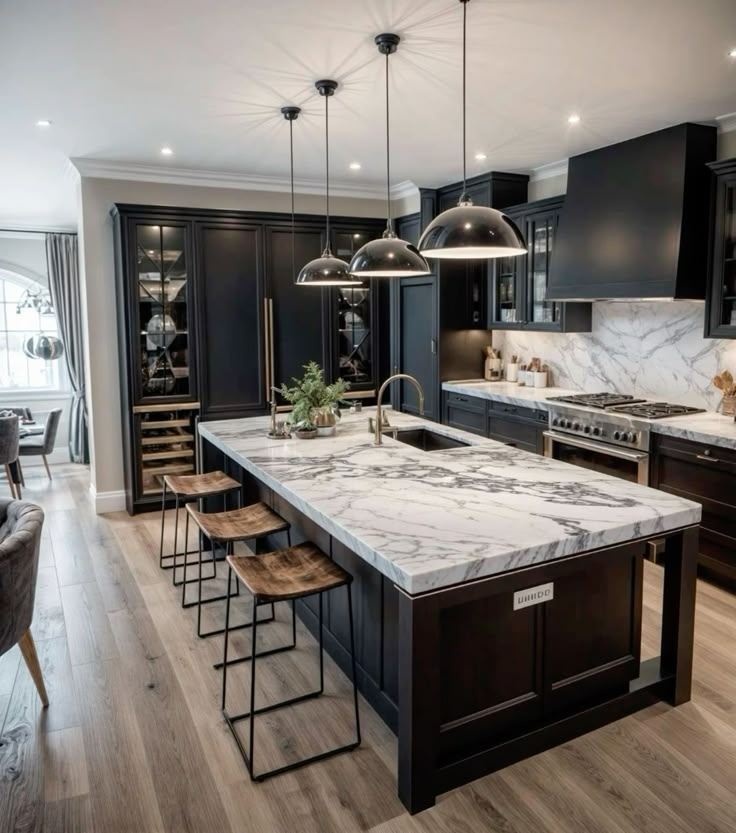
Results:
x,y
20,540
9,449
43,445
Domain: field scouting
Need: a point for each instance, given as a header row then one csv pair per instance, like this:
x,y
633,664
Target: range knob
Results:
x,y
617,435
629,436
556,421
587,429
576,426
597,431
565,423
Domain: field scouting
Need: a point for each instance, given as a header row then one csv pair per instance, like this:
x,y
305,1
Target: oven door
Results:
x,y
620,462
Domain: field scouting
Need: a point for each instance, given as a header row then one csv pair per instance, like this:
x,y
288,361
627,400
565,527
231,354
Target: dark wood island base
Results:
x,y
468,683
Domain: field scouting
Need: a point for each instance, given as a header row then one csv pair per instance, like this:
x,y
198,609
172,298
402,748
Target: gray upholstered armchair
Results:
x,y
20,539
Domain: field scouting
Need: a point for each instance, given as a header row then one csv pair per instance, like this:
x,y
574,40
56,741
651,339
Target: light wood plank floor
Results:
x,y
133,741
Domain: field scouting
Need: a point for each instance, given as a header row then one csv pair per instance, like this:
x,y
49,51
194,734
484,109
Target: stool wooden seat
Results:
x,y
185,488
291,573
254,521
203,485
285,575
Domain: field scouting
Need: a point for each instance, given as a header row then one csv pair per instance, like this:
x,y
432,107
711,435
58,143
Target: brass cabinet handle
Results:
x,y
708,458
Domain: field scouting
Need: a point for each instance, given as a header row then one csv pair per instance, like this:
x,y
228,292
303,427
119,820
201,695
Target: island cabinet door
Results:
x,y
592,632
491,680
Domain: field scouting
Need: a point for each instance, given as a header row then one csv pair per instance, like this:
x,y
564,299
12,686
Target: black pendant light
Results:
x,y
291,114
389,257
470,231
327,270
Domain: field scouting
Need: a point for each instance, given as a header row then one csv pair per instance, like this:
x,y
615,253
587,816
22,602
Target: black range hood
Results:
x,y
636,219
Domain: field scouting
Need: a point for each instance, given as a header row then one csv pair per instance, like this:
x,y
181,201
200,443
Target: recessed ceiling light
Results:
x,y
355,166
573,119
732,53
43,123
166,151
480,156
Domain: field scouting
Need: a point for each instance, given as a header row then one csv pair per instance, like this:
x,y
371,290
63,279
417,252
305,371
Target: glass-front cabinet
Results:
x,y
354,320
162,281
518,285
721,307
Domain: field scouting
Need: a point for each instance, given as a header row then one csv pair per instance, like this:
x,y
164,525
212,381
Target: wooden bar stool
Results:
x,y
289,574
186,488
247,523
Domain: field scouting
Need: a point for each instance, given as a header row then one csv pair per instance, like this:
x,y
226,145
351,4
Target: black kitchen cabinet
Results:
x,y
706,474
229,305
209,319
518,285
720,316
513,425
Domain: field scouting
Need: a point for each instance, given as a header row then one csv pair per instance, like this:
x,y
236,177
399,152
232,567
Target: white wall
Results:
x,y
98,282
25,254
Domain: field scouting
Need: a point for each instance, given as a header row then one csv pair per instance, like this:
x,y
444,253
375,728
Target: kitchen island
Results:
x,y
498,593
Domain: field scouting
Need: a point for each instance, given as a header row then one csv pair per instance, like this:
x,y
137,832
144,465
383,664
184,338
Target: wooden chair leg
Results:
x,y
11,484
20,472
28,649
46,463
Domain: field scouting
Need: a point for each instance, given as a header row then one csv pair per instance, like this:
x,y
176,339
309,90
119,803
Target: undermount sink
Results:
x,y
426,440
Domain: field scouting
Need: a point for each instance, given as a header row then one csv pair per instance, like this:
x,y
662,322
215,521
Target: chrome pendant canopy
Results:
x,y
327,270
388,257
470,231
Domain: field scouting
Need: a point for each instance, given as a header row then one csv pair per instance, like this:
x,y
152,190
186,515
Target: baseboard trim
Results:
x,y
105,502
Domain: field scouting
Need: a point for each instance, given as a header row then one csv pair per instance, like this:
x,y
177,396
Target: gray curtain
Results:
x,y
63,267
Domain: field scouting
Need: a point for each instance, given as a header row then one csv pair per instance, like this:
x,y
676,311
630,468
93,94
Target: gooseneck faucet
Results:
x,y
379,414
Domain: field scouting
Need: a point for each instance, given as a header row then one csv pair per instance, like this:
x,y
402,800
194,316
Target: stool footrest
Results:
x,y
220,631
280,650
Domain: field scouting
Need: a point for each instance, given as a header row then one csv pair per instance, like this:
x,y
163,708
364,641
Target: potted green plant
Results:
x,y
314,403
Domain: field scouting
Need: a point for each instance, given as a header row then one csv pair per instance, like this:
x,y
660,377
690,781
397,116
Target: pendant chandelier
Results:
x,y
470,231
327,270
388,257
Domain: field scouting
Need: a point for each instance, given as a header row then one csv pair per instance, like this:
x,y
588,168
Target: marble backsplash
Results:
x,y
653,349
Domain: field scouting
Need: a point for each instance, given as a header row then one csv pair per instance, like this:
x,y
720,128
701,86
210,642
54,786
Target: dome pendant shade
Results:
x,y
470,231
388,257
326,271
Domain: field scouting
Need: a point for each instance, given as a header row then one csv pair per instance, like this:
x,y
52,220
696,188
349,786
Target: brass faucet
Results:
x,y
379,415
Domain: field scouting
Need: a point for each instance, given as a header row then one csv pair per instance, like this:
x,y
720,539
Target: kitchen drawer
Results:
x,y
518,412
513,432
473,421
710,456
467,403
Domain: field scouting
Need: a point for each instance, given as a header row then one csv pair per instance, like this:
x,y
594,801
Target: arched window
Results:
x,y
17,371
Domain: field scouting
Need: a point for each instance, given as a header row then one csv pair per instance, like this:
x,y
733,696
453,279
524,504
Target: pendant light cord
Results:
x,y
389,221
327,168
465,36
293,219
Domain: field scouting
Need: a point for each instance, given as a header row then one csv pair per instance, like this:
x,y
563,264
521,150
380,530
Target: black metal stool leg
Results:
x,y
227,633
163,523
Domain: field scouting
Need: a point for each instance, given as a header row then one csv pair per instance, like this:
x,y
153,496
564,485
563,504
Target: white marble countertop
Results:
x,y
708,427
428,520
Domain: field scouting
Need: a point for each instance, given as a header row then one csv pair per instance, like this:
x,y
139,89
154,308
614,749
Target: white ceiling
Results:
x,y
121,79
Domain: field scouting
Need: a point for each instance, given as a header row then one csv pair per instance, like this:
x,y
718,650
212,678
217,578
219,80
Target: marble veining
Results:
x,y
430,520
653,349
708,427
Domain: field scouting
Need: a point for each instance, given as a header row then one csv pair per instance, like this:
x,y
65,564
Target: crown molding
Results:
x,y
549,170
726,123
101,169
33,229
403,190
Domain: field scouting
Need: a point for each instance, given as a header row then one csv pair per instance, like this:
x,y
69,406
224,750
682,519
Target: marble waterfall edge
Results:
x,y
430,520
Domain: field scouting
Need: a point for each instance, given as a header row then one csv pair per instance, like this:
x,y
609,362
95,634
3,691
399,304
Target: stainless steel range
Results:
x,y
606,432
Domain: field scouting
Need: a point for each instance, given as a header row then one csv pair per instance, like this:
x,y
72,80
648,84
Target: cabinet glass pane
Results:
x,y
506,289
540,242
728,306
161,274
355,362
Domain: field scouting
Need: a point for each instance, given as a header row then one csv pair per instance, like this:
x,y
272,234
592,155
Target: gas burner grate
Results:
x,y
597,400
655,410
